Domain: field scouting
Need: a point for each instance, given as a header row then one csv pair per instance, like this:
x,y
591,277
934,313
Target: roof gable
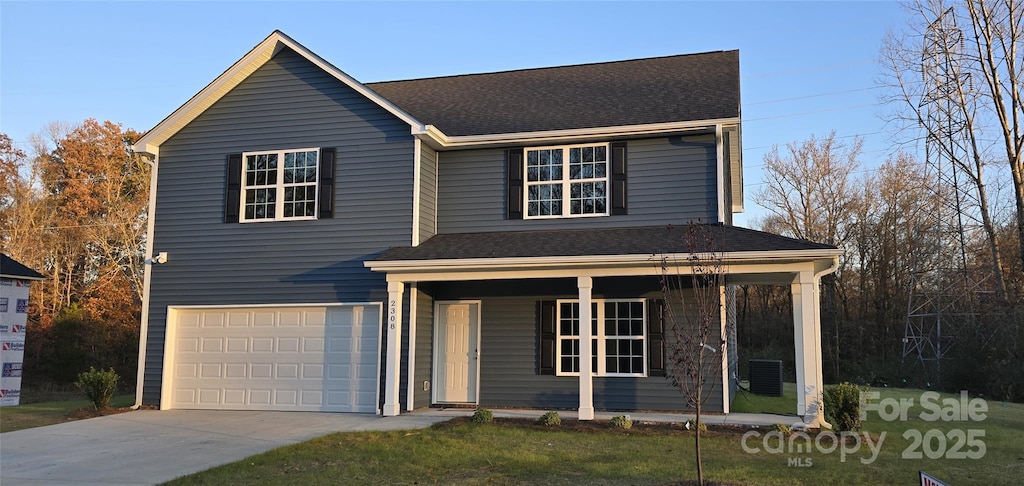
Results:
x,y
649,91
238,72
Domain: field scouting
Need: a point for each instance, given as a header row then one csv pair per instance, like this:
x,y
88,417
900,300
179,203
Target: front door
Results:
x,y
457,354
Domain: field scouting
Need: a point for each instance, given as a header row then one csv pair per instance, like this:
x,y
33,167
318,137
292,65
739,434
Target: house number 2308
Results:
x,y
392,313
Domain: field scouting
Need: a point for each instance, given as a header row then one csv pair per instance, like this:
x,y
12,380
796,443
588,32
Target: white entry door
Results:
x,y
458,346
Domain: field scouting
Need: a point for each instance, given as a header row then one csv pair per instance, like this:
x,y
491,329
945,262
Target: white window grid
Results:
x,y
567,336
567,181
283,185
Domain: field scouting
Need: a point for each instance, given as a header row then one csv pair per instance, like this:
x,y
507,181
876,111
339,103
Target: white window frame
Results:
x,y
598,335
566,182
279,187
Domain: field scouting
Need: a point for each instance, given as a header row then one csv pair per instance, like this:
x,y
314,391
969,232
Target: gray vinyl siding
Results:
x,y
735,168
508,348
287,103
670,181
428,192
424,347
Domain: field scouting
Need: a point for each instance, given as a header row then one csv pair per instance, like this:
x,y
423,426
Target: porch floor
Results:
x,y
737,419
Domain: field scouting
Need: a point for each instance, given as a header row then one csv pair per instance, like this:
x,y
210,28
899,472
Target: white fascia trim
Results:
x,y
591,260
416,180
260,306
20,277
551,136
239,71
147,280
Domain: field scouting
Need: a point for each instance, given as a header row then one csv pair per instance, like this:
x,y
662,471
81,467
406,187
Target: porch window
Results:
x,y
618,344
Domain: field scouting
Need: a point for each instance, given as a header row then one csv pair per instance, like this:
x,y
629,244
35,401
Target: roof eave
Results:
x,y
21,277
150,142
437,139
595,261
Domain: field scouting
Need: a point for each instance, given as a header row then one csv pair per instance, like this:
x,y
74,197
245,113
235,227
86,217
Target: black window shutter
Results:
x,y
618,178
655,337
233,190
546,338
327,162
515,183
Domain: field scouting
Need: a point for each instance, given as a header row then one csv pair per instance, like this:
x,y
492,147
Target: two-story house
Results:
x,y
331,245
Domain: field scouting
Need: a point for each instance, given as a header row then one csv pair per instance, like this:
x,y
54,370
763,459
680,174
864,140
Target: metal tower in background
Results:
x,y
943,288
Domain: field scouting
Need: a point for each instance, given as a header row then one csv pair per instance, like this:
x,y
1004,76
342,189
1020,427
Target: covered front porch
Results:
x,y
498,287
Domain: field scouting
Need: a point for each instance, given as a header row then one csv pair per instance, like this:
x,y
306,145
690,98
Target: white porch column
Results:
x,y
393,359
586,412
807,341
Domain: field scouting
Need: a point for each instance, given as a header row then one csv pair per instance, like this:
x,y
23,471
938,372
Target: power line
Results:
x,y
818,95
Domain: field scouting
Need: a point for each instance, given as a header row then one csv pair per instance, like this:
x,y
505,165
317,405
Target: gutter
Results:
x,y
593,260
147,279
817,311
526,138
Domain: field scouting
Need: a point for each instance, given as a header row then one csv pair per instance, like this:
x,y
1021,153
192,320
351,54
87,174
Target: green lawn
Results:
x,y
746,402
48,413
499,454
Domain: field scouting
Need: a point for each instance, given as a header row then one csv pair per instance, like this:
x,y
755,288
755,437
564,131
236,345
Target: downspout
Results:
x,y
817,345
147,279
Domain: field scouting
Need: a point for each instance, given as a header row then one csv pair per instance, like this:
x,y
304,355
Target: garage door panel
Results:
x,y
288,345
313,371
275,359
213,319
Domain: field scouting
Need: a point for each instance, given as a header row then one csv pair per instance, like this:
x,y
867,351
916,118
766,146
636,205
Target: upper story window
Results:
x,y
567,181
279,185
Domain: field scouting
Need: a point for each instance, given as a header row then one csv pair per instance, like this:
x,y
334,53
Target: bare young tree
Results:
x,y
693,312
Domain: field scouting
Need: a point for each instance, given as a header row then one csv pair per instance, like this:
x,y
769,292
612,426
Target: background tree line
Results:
x,y
947,225
74,208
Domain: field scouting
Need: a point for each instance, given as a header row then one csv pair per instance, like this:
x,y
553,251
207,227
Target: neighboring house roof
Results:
x,y
11,268
656,90
647,240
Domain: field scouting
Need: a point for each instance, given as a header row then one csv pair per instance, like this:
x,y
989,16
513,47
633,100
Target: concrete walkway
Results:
x,y
149,447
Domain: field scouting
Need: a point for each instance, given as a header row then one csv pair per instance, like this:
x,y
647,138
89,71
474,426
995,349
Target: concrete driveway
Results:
x,y
150,447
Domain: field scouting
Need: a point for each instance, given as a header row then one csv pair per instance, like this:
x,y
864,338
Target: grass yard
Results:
x,y
746,402
49,413
459,452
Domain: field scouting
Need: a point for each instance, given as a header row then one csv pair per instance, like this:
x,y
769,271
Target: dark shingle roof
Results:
x,y
647,240
655,90
10,267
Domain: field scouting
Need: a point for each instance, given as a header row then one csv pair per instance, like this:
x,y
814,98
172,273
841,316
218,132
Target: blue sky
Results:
x,y
806,67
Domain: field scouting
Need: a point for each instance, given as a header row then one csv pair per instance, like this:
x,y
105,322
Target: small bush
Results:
x,y
693,424
783,428
98,385
621,422
842,406
550,419
482,416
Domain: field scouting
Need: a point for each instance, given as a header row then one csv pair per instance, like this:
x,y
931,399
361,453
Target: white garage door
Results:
x,y
288,358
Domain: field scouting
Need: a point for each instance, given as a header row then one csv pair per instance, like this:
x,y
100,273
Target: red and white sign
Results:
x,y
929,480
